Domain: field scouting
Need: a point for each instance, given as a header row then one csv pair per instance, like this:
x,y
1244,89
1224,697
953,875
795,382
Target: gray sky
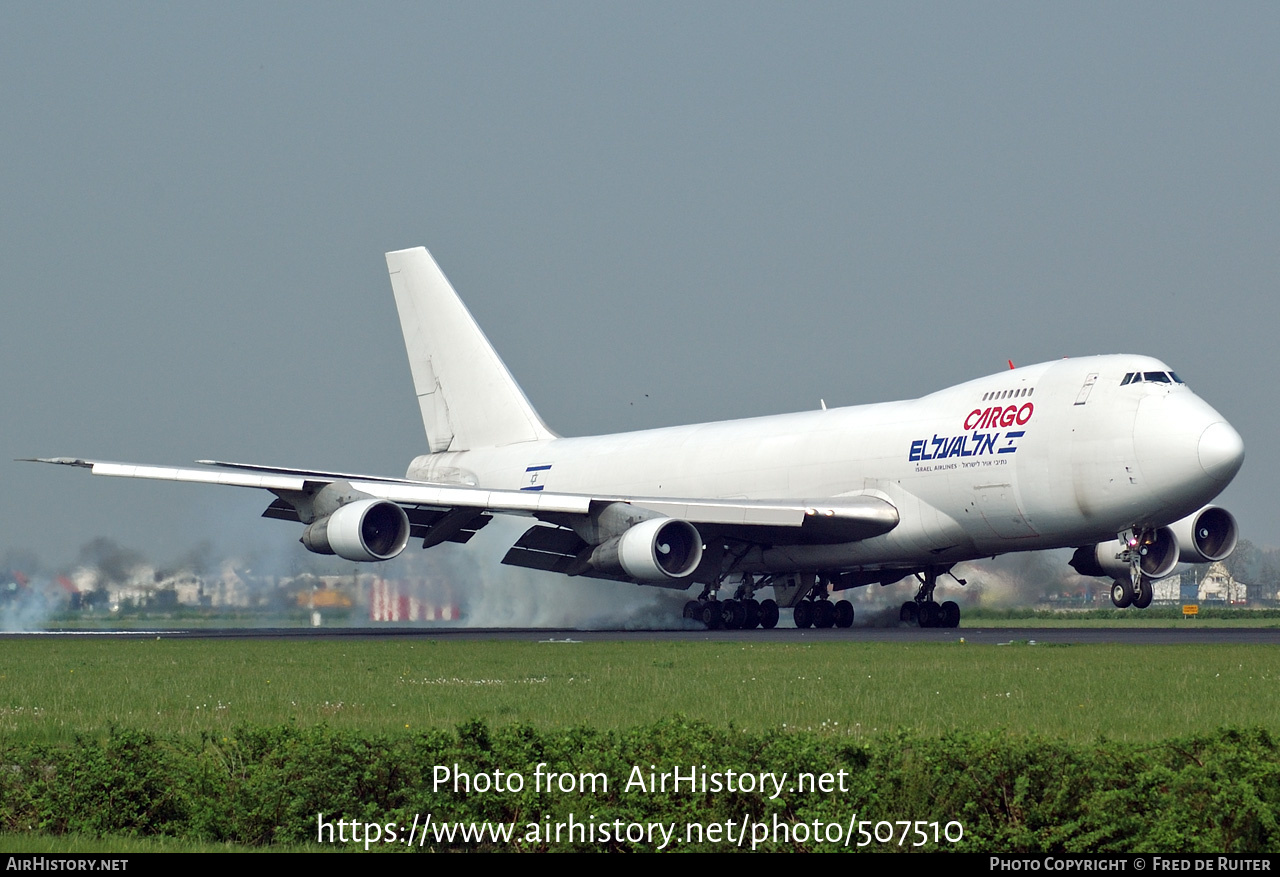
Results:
x,y
735,208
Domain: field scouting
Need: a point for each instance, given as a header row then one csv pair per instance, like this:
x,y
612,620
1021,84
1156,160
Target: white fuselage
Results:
x,y
1053,455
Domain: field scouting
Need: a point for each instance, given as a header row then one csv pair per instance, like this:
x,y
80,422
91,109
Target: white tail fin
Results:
x,y
468,398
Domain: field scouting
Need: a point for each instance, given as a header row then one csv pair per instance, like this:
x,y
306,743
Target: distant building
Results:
x,y
393,600
1170,590
1217,586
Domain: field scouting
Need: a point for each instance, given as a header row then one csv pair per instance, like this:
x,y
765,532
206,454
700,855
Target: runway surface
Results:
x,y
978,635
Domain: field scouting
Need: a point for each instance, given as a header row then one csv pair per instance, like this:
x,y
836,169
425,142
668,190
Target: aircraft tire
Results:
x,y
693,610
768,614
909,613
824,614
804,614
711,616
950,614
844,614
752,608
1121,594
734,614
930,614
1146,593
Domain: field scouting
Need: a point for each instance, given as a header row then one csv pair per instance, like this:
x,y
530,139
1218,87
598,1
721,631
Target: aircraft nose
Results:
x,y
1221,451
1187,452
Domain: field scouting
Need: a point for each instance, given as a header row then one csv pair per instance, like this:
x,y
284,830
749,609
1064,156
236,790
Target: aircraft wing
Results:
x,y
451,512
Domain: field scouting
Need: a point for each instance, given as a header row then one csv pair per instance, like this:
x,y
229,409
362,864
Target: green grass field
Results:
x,y
53,690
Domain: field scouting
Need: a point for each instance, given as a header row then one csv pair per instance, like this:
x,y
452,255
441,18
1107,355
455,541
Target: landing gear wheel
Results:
x,y
1146,592
844,614
733,614
909,613
930,614
824,614
693,610
950,614
752,608
804,614
768,614
711,616
1121,594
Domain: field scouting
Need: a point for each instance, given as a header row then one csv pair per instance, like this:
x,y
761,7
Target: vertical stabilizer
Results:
x,y
467,396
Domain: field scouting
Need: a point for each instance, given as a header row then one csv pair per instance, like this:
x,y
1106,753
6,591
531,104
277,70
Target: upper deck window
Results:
x,y
1018,393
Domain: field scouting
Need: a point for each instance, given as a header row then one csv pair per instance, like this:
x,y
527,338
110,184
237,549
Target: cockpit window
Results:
x,y
1151,378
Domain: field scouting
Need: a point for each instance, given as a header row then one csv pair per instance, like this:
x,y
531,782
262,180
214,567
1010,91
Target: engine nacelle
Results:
x,y
1209,535
364,530
1158,559
655,550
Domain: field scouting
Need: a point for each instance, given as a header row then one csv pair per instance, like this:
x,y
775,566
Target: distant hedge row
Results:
x,y
1204,613
1213,793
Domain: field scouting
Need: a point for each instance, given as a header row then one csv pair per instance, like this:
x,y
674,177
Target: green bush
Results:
x,y
261,786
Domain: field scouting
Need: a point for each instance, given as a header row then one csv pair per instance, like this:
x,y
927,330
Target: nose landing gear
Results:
x,y
1138,591
1124,594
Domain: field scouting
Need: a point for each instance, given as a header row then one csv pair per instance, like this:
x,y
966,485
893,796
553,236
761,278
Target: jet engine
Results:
x,y
1158,558
1208,535
654,550
364,530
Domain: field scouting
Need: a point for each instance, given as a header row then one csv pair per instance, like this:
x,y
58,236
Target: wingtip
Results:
x,y
58,461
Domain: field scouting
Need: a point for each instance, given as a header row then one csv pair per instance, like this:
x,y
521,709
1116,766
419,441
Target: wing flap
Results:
x,y
555,540
553,549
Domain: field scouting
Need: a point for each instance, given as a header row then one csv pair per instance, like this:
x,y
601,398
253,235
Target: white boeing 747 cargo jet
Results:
x,y
1111,455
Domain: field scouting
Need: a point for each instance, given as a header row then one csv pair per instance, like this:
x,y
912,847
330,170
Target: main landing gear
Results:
x,y
742,612
807,594
924,611
817,610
